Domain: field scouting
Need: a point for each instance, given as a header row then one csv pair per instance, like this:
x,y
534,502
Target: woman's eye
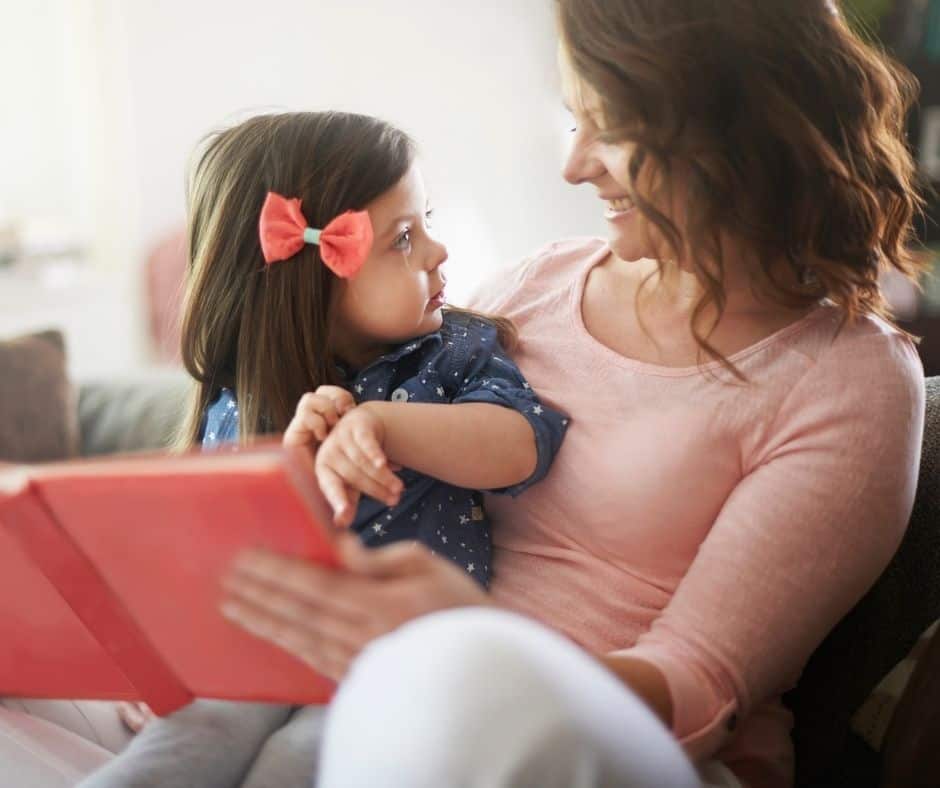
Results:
x,y
570,120
428,217
403,241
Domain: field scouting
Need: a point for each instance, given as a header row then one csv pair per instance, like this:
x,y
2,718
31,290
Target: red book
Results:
x,y
110,576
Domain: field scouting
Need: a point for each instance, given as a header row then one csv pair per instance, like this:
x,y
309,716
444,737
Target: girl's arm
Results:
x,y
483,428
473,445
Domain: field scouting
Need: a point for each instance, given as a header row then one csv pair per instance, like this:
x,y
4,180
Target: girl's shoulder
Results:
x,y
463,331
220,422
553,266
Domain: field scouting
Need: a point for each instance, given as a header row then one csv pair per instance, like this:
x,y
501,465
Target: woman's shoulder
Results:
x,y
867,345
865,367
553,266
849,386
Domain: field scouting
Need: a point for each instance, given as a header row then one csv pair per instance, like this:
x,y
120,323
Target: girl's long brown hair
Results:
x,y
264,331
788,131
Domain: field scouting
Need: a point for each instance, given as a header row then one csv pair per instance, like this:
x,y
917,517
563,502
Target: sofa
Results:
x,y
121,416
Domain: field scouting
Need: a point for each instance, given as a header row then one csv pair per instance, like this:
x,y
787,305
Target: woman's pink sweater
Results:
x,y
715,529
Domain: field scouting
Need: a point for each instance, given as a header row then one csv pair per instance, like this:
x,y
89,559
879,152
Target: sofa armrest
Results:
x,y
911,752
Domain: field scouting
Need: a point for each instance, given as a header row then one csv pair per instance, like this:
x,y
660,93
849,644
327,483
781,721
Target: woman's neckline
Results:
x,y
576,313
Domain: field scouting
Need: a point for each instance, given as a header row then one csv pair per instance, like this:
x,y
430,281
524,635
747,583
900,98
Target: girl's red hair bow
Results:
x,y
344,243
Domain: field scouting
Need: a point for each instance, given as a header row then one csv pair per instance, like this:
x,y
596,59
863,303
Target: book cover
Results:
x,y
110,576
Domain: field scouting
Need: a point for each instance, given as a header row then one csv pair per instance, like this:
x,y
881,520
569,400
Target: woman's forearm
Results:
x,y
646,680
473,445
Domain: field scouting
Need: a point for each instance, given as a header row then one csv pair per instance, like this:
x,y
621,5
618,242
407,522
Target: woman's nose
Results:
x,y
581,165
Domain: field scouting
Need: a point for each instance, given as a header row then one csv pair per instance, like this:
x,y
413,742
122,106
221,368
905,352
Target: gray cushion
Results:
x,y
130,416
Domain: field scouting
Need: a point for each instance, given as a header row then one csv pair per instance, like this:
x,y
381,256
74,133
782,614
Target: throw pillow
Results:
x,y
38,415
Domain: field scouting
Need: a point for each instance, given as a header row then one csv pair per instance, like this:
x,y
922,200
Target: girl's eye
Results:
x,y
428,217
403,241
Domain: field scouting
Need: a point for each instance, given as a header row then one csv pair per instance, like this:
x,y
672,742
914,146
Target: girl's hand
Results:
x,y
325,617
134,715
317,413
352,461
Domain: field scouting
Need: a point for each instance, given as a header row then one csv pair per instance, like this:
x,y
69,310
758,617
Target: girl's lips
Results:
x,y
437,301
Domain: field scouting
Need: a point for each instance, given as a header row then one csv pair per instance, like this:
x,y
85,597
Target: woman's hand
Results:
x,y
134,715
351,461
325,617
317,413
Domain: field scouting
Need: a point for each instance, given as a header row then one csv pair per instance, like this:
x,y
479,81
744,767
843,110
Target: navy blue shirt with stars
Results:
x,y
462,362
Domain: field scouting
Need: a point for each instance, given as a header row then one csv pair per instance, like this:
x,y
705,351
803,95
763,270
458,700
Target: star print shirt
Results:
x,y
462,362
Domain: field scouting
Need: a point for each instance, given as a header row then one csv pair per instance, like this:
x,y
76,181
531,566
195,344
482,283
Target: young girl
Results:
x,y
316,306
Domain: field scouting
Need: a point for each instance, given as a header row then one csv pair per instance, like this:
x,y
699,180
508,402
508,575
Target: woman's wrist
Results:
x,y
645,680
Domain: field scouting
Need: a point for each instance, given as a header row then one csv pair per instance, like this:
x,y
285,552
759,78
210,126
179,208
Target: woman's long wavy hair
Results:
x,y
265,330
787,130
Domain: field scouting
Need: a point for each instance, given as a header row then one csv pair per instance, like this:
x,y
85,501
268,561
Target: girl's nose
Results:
x,y
438,255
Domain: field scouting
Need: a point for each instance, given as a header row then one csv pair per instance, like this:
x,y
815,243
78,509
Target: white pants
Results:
x,y
483,698
468,698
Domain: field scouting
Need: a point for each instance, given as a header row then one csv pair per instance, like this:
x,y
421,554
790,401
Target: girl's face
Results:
x,y
607,167
399,291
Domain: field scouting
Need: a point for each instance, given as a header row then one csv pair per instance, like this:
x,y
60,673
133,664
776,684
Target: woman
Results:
x,y
745,431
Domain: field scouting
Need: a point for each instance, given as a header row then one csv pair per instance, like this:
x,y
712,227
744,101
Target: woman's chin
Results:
x,y
628,249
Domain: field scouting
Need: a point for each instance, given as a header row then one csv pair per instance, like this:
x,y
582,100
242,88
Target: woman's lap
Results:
x,y
468,697
480,697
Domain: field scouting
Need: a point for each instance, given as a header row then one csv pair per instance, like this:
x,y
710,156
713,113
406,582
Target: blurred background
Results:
x,y
105,99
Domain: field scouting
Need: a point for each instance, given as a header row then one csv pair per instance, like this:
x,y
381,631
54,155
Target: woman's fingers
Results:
x,y
396,559
316,586
325,642
286,635
267,616
326,616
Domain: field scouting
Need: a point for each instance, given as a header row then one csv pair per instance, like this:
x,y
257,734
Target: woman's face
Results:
x,y
399,291
606,166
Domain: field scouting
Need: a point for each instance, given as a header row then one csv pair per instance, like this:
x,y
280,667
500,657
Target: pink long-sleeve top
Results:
x,y
716,530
